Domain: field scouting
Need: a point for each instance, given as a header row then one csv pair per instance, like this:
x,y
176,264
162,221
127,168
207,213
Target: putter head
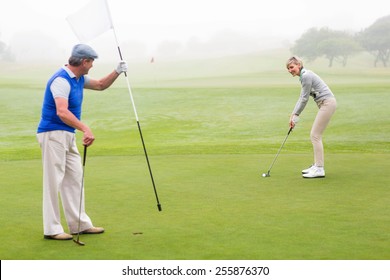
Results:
x,y
159,207
79,242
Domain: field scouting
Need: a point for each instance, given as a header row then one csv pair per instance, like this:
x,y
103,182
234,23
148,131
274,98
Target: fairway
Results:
x,y
209,139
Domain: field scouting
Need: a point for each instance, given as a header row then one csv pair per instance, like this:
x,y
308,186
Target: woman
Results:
x,y
313,85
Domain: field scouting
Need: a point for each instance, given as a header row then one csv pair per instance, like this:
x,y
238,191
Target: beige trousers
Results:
x,y
327,108
62,175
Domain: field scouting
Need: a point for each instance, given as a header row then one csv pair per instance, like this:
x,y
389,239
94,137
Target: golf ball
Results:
x,y
264,175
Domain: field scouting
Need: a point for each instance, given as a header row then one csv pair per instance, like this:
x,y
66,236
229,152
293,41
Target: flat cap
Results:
x,y
84,51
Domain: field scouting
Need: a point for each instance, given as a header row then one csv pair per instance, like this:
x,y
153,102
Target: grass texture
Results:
x,y
209,139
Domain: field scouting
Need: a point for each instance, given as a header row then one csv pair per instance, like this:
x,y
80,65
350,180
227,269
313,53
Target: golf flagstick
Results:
x,y
137,119
99,21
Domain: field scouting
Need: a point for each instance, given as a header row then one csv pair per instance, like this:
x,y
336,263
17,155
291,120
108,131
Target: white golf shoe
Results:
x,y
307,170
315,172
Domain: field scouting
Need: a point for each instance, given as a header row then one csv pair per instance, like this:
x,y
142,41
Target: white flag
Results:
x,y
91,21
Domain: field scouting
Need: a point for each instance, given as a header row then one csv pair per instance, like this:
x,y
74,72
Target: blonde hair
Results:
x,y
295,60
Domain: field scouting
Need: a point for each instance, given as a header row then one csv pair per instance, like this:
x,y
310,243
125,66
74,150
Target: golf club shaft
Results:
x,y
81,194
285,139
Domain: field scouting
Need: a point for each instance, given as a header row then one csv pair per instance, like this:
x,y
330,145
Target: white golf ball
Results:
x,y
264,175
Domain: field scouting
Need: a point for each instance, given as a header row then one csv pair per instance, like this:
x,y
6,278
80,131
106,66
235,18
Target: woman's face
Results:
x,y
294,69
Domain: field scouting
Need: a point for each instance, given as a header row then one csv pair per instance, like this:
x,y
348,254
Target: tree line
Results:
x,y
5,52
337,45
334,45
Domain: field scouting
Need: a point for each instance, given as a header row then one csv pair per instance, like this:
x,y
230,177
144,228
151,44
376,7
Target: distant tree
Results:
x,y
5,52
340,46
376,40
8,55
332,44
3,46
306,45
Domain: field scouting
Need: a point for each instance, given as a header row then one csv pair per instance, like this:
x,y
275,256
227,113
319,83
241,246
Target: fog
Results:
x,y
172,29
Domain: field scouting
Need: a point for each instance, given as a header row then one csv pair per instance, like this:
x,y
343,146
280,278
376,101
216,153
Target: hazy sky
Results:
x,y
151,22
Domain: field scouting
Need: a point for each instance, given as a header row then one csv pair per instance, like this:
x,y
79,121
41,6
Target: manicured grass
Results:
x,y
214,207
209,140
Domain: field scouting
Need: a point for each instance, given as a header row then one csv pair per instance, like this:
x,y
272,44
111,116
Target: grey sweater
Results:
x,y
312,85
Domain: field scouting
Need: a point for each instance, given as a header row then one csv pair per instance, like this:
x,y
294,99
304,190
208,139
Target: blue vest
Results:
x,y
49,119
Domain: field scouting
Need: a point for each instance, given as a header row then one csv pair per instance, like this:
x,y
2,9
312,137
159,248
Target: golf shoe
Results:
x,y
315,172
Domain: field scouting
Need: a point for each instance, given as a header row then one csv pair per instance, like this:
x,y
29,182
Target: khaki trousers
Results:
x,y
62,176
327,108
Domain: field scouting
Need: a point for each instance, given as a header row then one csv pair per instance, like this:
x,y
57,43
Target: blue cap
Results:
x,y
84,51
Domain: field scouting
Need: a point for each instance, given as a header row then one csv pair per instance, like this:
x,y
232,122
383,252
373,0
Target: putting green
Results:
x,y
209,140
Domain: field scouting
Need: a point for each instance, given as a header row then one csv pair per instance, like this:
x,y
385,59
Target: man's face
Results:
x,y
294,69
87,64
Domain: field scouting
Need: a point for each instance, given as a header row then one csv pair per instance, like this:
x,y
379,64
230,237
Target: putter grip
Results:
x,y
85,155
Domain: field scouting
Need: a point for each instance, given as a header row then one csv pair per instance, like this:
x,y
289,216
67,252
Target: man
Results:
x,y
61,117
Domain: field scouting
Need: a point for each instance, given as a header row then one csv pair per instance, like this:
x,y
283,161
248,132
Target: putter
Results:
x,y
272,164
81,199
